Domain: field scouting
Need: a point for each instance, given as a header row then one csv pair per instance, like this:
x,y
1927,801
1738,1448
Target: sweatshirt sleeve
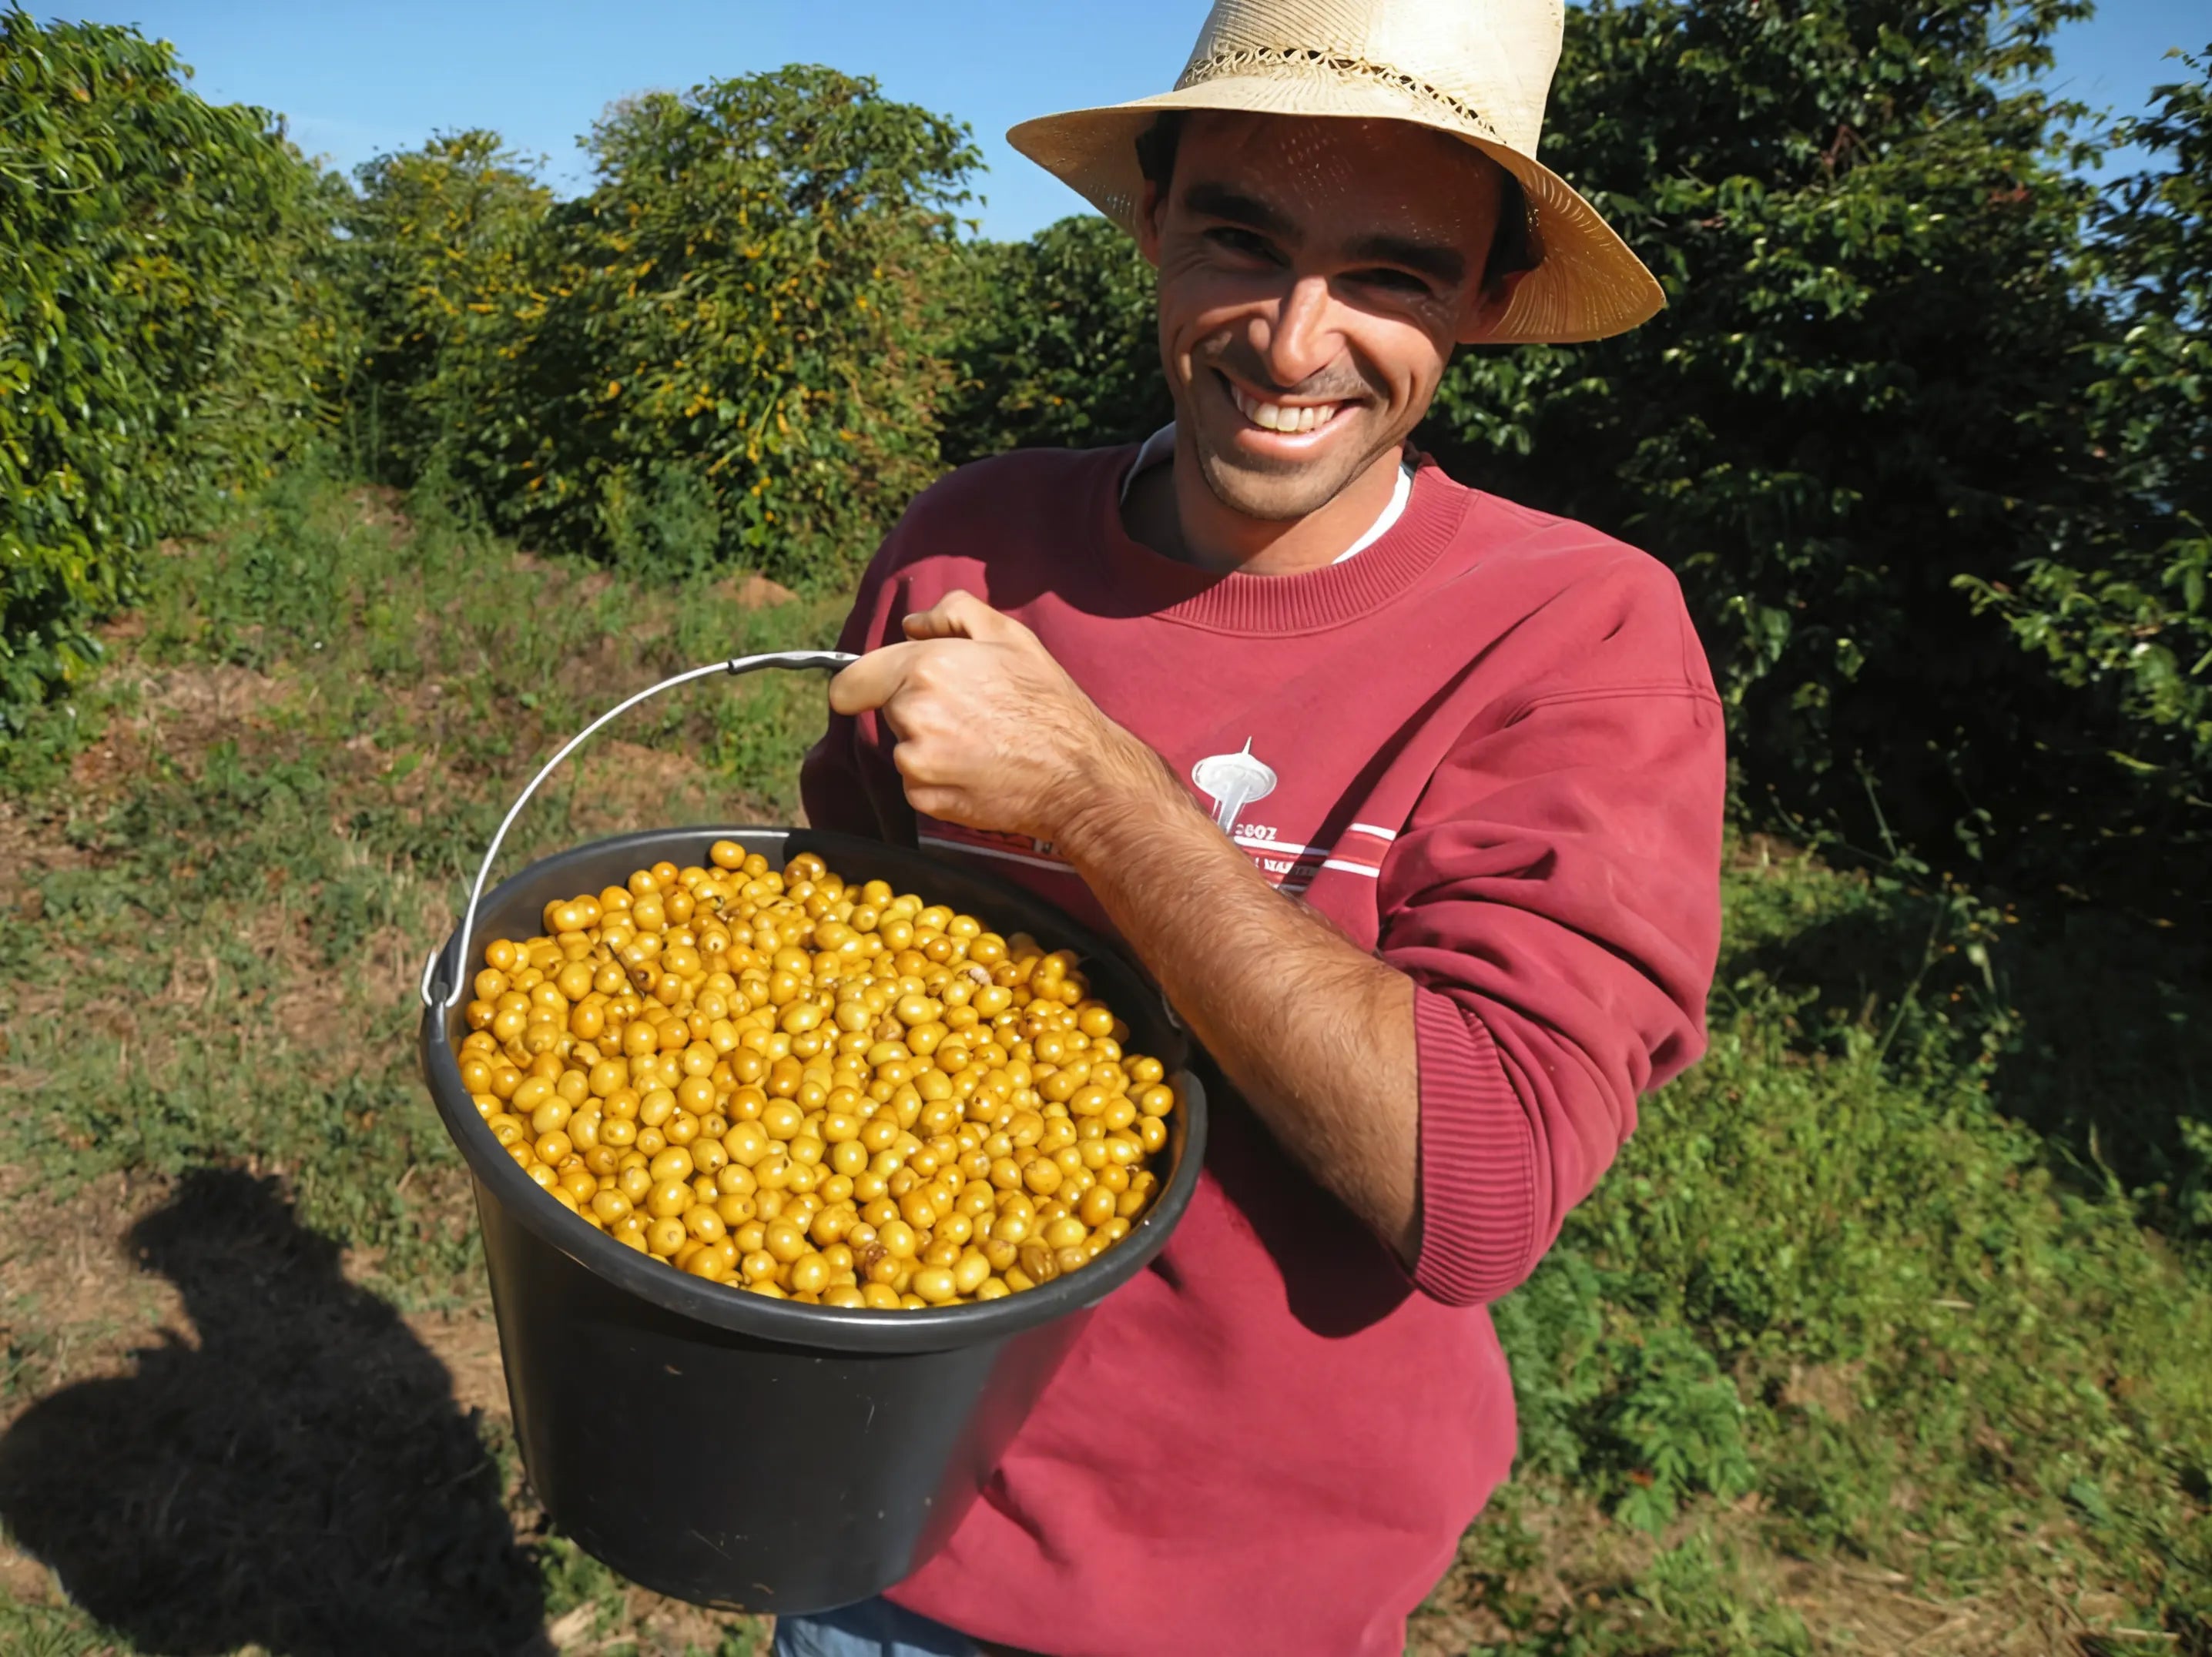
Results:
x,y
846,783
1555,898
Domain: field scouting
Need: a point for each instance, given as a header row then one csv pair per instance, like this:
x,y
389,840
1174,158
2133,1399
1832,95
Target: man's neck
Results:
x,y
1173,510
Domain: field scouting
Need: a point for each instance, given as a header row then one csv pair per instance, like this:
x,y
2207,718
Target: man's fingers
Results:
x,y
872,681
877,679
961,614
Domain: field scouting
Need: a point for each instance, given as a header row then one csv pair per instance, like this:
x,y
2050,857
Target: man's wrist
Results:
x,y
1129,789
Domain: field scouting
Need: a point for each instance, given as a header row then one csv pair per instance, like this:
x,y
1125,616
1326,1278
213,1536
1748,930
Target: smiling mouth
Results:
x,y
1290,419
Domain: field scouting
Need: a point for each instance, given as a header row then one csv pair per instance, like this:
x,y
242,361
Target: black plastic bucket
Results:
x,y
742,1452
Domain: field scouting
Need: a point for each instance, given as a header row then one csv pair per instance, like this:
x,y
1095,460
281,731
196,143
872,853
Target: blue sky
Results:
x,y
361,77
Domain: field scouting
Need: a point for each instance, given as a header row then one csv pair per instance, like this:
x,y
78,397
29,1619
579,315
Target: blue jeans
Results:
x,y
874,1628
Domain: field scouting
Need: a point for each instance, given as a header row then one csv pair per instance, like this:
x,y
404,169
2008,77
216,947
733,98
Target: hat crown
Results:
x,y
1478,69
1491,59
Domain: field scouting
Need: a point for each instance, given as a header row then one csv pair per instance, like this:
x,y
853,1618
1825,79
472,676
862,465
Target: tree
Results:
x,y
1868,383
442,239
2117,607
170,324
745,329
1061,344
732,349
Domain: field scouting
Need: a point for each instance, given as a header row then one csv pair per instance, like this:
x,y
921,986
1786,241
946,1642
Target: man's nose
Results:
x,y
1299,341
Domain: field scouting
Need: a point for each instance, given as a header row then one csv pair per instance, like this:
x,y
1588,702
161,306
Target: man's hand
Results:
x,y
991,732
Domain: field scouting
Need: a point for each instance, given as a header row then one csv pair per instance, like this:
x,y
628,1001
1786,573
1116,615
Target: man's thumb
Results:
x,y
961,614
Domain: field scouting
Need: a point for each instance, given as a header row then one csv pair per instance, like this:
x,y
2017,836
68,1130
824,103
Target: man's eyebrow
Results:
x,y
1219,201
1444,265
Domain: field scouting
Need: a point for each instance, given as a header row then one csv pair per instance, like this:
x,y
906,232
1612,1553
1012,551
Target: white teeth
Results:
x,y
1282,417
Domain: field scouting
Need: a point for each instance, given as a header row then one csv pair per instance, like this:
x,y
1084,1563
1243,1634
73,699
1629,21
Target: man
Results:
x,y
1409,798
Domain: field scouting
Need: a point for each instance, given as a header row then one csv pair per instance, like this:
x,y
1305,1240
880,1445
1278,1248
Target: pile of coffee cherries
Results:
x,y
814,1089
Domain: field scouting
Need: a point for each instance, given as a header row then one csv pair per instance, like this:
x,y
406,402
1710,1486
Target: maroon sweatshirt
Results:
x,y
1487,747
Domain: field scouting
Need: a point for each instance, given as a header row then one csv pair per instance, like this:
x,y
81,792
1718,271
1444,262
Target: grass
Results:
x,y
1892,1331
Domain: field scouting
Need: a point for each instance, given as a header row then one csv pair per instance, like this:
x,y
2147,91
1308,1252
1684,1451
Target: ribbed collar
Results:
x,y
1139,580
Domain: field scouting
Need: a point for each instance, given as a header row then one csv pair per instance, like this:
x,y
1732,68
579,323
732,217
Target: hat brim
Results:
x,y
1586,286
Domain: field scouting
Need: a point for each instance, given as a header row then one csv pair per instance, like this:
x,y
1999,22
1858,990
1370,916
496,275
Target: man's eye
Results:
x,y
1397,282
1245,242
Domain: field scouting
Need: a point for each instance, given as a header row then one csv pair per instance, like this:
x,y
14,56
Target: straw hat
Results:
x,y
1477,68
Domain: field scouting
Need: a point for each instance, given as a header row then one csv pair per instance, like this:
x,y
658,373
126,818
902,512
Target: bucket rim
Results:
x,y
865,1330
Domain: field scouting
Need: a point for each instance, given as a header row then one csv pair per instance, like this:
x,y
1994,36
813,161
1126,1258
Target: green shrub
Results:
x,y
441,241
170,324
731,351
2117,607
1869,381
1836,1297
1061,346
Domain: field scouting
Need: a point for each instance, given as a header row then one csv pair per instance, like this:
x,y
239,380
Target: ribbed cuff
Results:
x,y
1480,1232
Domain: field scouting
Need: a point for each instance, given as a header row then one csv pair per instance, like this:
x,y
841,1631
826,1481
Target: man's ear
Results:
x,y
1488,309
1151,210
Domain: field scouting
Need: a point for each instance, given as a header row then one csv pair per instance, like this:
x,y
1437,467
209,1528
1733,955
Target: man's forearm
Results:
x,y
1317,1033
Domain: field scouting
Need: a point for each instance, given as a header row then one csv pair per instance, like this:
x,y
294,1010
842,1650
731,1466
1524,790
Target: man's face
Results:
x,y
1313,276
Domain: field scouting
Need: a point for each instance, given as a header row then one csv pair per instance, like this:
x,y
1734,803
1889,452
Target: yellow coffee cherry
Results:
x,y
815,1089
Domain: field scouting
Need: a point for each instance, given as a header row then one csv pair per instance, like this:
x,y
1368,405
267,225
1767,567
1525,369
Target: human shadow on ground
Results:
x,y
301,1480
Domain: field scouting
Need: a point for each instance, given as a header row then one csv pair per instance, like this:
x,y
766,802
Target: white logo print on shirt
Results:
x,y
1233,781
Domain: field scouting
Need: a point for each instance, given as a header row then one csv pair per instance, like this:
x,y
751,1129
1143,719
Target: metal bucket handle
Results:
x,y
438,994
